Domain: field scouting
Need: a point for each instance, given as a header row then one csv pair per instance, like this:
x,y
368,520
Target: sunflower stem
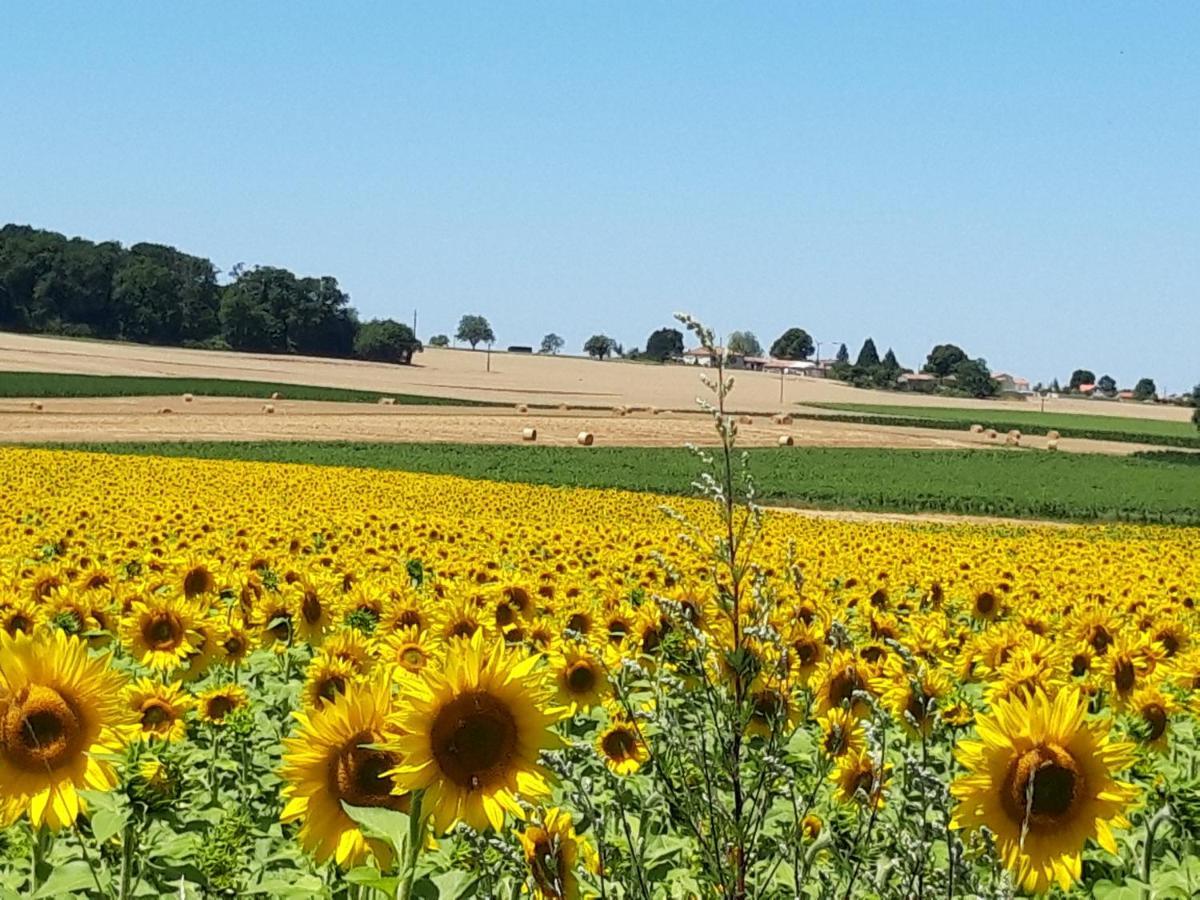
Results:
x,y
412,850
127,842
38,856
1152,826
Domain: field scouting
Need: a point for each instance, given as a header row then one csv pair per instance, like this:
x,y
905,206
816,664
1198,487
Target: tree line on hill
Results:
x,y
157,294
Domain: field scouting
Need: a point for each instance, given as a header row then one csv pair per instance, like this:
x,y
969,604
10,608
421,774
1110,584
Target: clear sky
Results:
x,y
1019,178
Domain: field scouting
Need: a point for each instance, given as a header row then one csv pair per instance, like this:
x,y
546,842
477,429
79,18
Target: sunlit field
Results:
x,y
228,678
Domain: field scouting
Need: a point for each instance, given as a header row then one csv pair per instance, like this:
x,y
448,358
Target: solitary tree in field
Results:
x,y
552,344
664,344
743,343
474,330
1107,385
1081,377
599,346
795,343
1145,389
943,358
439,340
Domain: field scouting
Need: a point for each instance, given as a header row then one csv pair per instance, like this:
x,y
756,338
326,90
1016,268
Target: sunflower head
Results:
x,y
217,703
620,744
580,677
554,853
160,709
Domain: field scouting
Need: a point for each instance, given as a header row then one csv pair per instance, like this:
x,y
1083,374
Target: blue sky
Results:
x,y
1019,178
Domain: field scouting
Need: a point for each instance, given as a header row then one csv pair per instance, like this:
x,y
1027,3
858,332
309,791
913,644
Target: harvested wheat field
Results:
x,y
514,378
242,419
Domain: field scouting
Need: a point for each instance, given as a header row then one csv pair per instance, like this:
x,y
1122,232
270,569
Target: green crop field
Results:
x,y
48,384
1071,487
1106,428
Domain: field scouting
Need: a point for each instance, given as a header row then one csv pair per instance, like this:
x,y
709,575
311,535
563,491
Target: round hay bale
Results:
x,y
522,408
781,419
387,401
1053,435
992,435
275,395
188,398
745,420
35,406
164,410
620,411
269,408
529,434
1012,440
976,428
562,407
654,410
786,440
1052,444
585,439
1015,433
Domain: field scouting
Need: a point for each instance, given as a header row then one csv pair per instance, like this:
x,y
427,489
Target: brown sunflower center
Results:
x,y
412,657
41,730
581,678
1124,675
163,631
410,618
463,628
985,603
1100,638
18,622
1080,663
219,707
197,581
154,714
473,738
331,686
806,652
579,623
1043,787
357,774
619,744
1155,718
844,685
310,608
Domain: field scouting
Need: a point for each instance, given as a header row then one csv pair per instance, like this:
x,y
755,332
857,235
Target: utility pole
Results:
x,y
414,321
489,356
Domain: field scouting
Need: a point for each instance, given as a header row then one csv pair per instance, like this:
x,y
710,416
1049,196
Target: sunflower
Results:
x,y
313,608
773,709
209,637
1041,780
553,854
841,733
353,646
620,744
580,677
327,678
842,681
237,641
61,717
194,577
218,702
859,779
20,616
471,735
160,631
913,698
806,641
160,709
333,758
408,648
1152,710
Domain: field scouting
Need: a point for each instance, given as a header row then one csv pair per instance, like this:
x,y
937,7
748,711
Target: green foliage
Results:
x,y
46,384
1107,385
439,340
1145,389
974,378
598,346
664,344
743,343
843,356
474,330
552,344
1077,487
795,343
385,340
868,356
943,359
1081,377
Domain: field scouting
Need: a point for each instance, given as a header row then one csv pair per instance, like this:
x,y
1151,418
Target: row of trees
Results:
x,y
154,293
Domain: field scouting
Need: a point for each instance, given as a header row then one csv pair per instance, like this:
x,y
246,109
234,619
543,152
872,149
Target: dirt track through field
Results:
x,y
238,419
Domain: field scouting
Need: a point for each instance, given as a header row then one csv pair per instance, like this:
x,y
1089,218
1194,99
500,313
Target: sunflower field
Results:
x,y
232,679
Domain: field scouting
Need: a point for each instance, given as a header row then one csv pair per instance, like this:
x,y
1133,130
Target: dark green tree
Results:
x,y
1145,389
599,346
1081,377
664,344
868,356
843,356
973,377
474,330
385,340
439,340
552,344
795,343
943,359
743,343
1107,385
